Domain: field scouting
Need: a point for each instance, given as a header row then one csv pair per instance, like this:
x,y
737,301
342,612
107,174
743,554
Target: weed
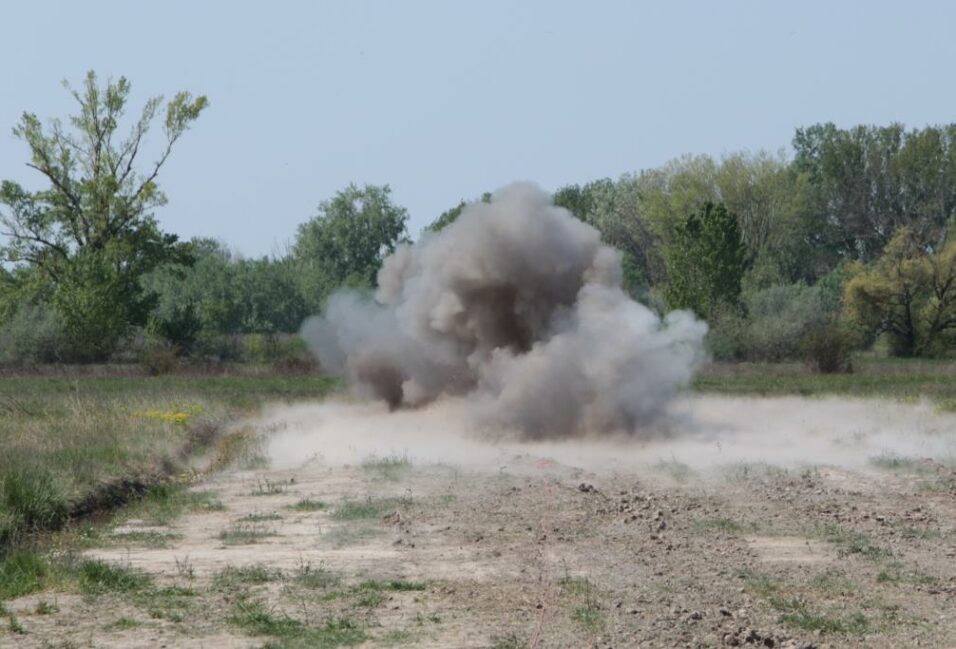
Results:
x,y
14,625
266,487
308,576
761,583
308,505
351,510
97,577
122,624
678,471
22,572
391,468
796,613
851,543
44,607
255,619
245,533
232,577
149,539
184,568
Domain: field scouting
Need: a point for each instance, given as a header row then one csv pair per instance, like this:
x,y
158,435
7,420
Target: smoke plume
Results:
x,y
516,307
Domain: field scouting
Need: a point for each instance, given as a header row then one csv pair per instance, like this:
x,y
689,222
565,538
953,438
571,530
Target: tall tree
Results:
x,y
705,261
909,293
348,239
91,232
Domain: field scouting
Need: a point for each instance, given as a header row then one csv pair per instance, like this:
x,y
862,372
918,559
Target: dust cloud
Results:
x,y
515,314
702,432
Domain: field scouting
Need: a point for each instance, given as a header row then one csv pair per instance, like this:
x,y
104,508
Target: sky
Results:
x,y
446,100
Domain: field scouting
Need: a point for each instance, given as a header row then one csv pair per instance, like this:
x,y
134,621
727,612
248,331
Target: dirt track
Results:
x,y
540,553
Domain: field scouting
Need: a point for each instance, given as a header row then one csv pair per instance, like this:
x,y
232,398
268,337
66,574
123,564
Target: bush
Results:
x,y
159,357
826,348
31,336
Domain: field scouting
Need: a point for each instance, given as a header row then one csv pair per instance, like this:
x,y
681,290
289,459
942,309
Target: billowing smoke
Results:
x,y
518,308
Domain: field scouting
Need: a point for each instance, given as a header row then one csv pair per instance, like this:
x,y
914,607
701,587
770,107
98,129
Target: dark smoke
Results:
x,y
518,307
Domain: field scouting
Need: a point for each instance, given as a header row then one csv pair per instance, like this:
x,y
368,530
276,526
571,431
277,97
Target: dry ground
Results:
x,y
532,552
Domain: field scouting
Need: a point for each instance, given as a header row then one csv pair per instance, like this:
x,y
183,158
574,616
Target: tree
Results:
x,y
344,245
91,232
909,293
705,261
451,215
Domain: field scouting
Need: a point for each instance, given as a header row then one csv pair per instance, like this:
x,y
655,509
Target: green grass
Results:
x,y
308,505
232,577
795,612
908,379
22,572
98,577
122,624
390,468
368,509
848,542
308,576
66,436
254,618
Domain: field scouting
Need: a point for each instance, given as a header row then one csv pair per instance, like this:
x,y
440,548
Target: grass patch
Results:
x,y
22,572
232,577
796,613
253,617
355,510
894,573
308,505
148,539
390,468
266,487
98,577
67,432
308,576
245,533
758,582
122,624
850,543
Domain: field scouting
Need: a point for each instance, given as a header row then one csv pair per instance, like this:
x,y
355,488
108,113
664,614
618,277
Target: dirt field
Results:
x,y
672,543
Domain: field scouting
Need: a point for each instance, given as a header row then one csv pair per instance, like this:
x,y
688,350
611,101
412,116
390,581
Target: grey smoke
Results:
x,y
518,308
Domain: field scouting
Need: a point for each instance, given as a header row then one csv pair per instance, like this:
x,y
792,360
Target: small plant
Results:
x,y
231,576
391,468
22,572
44,607
308,505
308,576
184,568
266,487
97,577
259,518
244,533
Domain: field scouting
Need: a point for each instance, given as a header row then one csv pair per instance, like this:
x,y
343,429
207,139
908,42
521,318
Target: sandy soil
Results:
x,y
581,544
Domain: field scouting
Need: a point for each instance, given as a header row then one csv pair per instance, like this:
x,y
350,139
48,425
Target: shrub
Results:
x,y
32,335
826,348
159,357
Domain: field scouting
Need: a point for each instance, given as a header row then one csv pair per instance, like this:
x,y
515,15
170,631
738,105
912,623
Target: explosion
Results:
x,y
516,308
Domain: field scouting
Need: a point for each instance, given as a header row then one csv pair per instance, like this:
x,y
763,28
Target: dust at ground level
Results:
x,y
531,548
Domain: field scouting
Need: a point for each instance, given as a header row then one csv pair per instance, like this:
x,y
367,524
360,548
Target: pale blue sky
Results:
x,y
446,100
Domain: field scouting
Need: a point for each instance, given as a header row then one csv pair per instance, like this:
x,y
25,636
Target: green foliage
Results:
x,y
869,180
451,215
91,234
98,577
21,572
345,244
909,294
705,261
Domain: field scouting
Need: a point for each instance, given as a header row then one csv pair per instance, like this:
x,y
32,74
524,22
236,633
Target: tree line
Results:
x,y
843,242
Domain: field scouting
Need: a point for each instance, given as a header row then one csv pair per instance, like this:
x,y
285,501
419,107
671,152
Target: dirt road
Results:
x,y
533,550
